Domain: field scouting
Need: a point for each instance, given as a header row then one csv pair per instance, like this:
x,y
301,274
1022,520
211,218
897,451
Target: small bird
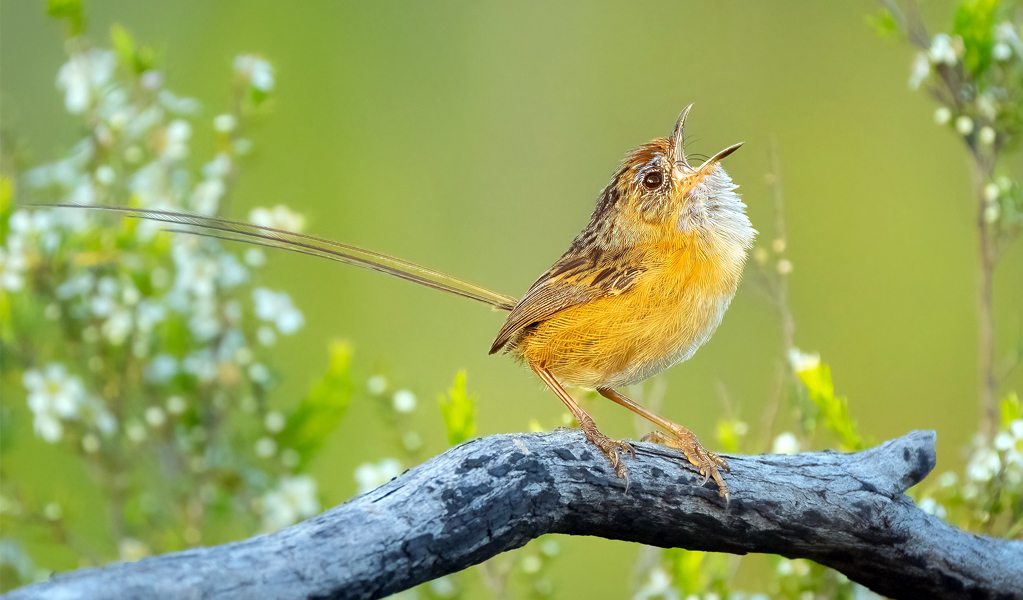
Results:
x,y
641,288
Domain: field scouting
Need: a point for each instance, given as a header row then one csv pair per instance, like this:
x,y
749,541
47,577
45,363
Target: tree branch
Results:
x,y
846,511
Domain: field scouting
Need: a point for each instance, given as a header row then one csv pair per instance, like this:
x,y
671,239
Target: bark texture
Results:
x,y
847,511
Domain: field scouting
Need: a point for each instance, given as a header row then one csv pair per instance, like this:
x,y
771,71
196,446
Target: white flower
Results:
x,y
404,401
206,196
1011,443
136,431
658,586
377,384
987,106
1006,35
531,564
178,105
53,395
218,168
155,416
921,69
442,587
151,80
412,441
277,308
293,500
984,465
83,76
176,405
801,361
103,419
278,217
259,373
991,212
931,507
131,550
786,443
231,273
176,139
274,422
118,325
201,365
370,476
258,71
964,125
12,267
942,115
225,123
986,136
266,335
255,257
196,273
265,447
942,51
105,174
784,266
90,443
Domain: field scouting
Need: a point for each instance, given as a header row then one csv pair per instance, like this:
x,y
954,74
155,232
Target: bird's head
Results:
x,y
657,191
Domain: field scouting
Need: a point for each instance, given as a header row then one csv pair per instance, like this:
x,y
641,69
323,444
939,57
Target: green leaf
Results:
x,y
459,411
123,44
320,412
883,23
1011,409
729,435
835,409
974,23
70,11
138,59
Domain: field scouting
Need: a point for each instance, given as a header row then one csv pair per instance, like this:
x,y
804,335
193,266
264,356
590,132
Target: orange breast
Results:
x,y
670,311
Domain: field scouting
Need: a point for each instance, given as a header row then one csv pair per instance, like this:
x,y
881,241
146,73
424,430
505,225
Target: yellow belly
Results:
x,y
670,312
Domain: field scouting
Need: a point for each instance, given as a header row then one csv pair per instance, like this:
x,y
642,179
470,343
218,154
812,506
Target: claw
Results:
x,y
707,462
612,449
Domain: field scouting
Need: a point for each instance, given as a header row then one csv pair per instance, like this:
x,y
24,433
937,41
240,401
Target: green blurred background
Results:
x,y
473,137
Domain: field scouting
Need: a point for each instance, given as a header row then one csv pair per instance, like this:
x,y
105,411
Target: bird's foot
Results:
x,y
709,464
614,450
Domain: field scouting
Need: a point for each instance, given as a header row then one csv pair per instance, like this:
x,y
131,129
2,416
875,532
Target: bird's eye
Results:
x,y
653,180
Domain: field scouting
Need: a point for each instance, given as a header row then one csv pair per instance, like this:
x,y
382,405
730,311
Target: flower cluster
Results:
x,y
989,495
976,74
160,381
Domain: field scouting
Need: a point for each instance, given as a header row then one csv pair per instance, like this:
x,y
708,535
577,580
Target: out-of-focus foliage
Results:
x,y
988,497
816,376
975,73
459,411
320,411
160,386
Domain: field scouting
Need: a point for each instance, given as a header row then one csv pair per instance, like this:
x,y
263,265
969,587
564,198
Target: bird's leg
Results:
x,y
612,449
680,439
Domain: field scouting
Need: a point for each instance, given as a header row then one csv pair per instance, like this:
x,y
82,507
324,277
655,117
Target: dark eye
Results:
x,y
653,180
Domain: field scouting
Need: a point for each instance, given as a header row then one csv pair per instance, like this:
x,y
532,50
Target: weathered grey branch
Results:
x,y
494,494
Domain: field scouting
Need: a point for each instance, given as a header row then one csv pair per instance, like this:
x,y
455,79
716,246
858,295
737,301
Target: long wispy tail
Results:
x,y
237,231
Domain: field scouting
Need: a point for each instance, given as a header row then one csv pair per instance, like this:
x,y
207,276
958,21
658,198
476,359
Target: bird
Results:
x,y
641,288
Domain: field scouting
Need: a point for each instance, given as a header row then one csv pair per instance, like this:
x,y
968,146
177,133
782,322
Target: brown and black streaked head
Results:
x,y
656,183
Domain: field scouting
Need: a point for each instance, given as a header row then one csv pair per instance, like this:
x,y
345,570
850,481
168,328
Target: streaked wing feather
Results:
x,y
572,281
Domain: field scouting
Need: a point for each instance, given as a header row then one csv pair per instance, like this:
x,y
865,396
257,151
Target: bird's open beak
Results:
x,y
710,162
676,148
677,142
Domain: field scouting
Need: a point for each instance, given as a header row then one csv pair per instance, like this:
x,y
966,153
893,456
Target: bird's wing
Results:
x,y
575,279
